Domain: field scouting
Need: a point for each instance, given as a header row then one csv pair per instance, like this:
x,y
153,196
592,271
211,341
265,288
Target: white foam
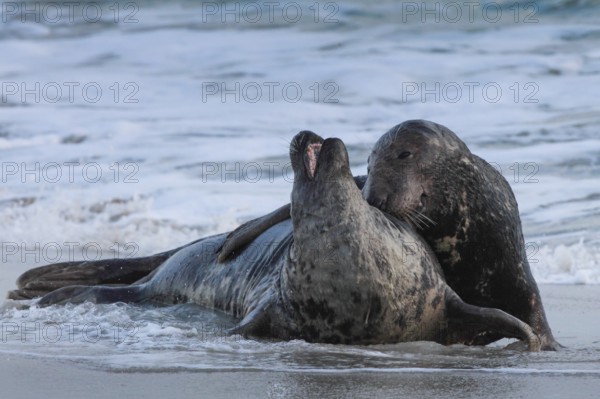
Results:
x,y
567,264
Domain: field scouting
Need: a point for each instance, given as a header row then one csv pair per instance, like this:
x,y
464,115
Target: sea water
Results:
x,y
128,128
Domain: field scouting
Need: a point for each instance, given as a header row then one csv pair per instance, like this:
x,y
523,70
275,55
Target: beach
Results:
x,y
58,380
574,372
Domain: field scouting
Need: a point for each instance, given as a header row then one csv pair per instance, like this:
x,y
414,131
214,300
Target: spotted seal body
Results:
x,y
340,272
388,288
462,207
466,211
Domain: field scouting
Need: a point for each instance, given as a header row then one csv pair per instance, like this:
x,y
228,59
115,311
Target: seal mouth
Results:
x,y
311,158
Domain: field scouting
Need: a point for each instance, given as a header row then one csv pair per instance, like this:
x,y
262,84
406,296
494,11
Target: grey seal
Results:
x,y
466,210
463,207
341,271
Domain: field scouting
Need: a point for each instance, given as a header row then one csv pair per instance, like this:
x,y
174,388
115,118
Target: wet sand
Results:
x,y
573,311
27,378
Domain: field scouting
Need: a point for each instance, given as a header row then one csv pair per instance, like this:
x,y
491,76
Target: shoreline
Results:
x,y
51,381
572,311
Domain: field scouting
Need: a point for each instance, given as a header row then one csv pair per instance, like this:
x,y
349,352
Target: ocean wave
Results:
x,y
66,228
567,264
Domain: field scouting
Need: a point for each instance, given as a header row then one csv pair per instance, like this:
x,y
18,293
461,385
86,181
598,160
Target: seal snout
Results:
x,y
304,153
329,155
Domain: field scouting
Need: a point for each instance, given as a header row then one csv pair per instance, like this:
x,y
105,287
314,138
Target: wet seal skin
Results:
x,y
340,271
422,172
465,209
388,285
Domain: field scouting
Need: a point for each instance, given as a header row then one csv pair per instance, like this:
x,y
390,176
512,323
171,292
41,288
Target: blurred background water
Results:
x,y
149,124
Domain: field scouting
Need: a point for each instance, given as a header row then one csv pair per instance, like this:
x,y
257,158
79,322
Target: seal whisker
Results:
x,y
408,218
412,219
428,222
425,217
294,145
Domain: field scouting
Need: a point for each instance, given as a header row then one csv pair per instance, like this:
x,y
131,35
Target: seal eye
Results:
x,y
404,154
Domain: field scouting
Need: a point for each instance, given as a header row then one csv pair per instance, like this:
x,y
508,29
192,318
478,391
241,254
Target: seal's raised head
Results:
x,y
411,161
315,159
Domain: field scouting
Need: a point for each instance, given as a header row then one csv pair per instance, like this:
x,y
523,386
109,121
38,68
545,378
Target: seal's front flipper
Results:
x,y
247,232
99,294
257,322
467,321
42,280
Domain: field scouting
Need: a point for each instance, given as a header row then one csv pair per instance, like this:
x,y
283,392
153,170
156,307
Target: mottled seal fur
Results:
x,y
342,272
466,211
462,206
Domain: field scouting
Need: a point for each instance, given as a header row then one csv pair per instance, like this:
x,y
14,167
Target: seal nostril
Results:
x,y
422,202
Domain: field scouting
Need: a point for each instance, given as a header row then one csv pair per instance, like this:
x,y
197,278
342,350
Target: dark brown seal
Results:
x,y
466,211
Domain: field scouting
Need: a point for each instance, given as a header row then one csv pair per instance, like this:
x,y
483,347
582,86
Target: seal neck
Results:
x,y
324,200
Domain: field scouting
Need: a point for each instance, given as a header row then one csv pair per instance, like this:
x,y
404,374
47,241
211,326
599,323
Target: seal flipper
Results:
x,y
475,318
45,279
247,232
99,294
257,322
